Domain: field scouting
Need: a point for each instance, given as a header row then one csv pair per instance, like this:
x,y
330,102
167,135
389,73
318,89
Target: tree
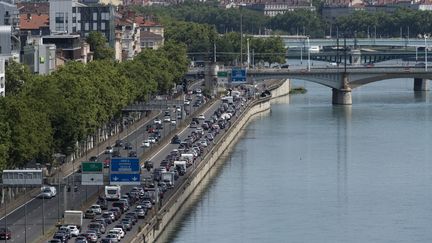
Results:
x,y
98,44
16,76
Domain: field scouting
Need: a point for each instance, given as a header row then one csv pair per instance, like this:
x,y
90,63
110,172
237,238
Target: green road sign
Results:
x,y
222,74
92,167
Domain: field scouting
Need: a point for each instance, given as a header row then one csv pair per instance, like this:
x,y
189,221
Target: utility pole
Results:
x,y
241,37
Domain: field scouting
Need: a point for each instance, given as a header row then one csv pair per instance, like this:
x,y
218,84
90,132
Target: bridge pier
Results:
x,y
421,84
341,96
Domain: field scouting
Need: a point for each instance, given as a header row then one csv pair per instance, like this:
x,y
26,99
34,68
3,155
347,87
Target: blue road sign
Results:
x,y
125,179
238,75
125,165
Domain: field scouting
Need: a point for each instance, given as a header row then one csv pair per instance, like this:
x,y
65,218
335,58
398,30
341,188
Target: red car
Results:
x,y
5,234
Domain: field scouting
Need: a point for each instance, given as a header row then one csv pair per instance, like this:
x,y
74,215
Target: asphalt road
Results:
x,y
41,214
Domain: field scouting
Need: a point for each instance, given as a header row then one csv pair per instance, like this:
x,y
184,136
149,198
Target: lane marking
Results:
x,y
182,131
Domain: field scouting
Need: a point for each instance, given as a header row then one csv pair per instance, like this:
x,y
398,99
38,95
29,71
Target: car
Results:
x,y
116,153
178,109
147,204
201,117
145,144
132,153
193,125
5,234
112,237
109,214
74,231
186,102
152,139
116,233
96,208
204,143
369,64
91,236
420,64
81,239
89,214
117,212
118,143
105,240
120,231
61,236
173,122
54,241
128,146
66,231
176,140
109,150
107,162
98,227
167,119
44,195
157,121
93,158
141,213
148,165
102,221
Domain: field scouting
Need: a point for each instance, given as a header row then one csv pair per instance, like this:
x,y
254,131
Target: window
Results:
x,y
94,16
102,26
59,17
86,26
94,25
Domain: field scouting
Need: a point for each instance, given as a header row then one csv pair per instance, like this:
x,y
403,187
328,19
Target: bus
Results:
x,y
112,192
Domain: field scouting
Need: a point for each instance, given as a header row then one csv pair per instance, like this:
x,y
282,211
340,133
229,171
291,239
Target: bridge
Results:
x,y
343,79
302,41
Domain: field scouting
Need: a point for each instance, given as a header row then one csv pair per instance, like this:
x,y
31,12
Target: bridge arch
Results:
x,y
357,81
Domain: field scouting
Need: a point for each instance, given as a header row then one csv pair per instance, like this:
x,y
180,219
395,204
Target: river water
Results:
x,y
311,172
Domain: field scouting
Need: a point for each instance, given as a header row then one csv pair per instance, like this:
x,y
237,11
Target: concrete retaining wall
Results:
x,y
151,231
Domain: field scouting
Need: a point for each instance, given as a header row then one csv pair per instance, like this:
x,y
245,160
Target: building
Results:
x,y
130,38
41,58
9,15
72,17
150,40
273,8
69,48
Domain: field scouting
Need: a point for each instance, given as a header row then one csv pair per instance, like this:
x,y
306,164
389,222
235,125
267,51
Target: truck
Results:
x,y
189,158
180,166
112,192
72,217
168,178
228,99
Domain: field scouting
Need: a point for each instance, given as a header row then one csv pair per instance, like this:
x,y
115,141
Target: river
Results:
x,y
309,171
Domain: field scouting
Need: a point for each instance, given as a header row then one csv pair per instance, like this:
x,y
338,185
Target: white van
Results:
x,y
314,49
49,190
112,192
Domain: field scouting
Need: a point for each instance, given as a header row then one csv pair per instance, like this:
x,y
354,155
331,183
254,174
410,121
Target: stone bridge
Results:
x,y
342,81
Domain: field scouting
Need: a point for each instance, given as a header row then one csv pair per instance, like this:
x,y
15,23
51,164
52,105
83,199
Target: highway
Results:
x,y
42,214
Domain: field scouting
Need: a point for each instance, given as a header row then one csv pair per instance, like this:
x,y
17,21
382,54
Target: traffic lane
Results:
x,y
161,154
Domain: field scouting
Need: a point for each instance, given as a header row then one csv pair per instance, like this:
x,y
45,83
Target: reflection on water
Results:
x,y
313,172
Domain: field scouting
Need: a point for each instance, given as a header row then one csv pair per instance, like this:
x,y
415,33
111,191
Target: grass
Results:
x,y
298,90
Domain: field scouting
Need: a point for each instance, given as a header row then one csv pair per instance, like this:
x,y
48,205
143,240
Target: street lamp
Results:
x,y
308,53
426,59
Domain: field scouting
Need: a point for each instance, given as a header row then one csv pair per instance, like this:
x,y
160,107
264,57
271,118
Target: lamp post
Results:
x,y
426,58
308,53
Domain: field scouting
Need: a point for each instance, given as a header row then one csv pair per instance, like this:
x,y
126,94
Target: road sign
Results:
x,y
125,165
92,167
92,179
238,75
22,177
125,179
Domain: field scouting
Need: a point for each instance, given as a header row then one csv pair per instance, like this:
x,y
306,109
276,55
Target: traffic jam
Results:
x,y
118,212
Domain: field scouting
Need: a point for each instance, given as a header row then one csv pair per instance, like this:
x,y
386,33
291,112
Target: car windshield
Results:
x,y
111,191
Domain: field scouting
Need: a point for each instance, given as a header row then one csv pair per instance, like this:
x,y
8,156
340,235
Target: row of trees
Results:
x,y
43,115
201,39
295,22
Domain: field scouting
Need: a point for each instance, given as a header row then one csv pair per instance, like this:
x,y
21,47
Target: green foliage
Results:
x,y
98,44
299,22
16,76
197,37
51,113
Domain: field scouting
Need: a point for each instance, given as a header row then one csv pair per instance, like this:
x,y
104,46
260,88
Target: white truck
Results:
x,y
228,99
112,192
189,158
72,217
168,178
